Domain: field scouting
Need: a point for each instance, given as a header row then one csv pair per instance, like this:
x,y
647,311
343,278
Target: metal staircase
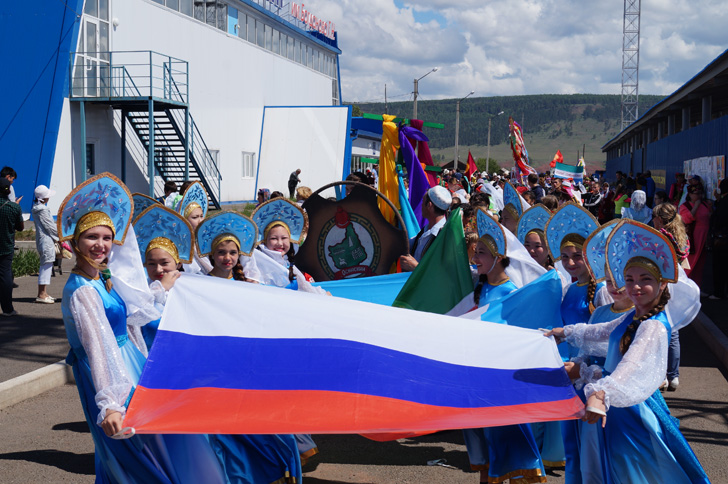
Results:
x,y
148,87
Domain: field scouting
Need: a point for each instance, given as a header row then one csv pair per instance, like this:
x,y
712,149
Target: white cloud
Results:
x,y
502,47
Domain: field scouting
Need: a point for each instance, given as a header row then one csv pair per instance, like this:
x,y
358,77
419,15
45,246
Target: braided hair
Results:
x,y
291,254
483,278
628,335
238,273
590,292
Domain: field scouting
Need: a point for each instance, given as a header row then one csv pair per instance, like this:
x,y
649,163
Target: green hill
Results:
x,y
569,122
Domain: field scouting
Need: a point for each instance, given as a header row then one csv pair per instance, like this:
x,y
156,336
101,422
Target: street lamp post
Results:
x,y
417,81
457,129
490,118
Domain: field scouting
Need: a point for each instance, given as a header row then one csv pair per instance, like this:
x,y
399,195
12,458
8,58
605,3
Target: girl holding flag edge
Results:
x,y
96,217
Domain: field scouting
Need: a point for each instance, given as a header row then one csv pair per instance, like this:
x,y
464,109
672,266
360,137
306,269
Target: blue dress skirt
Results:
x,y
143,458
509,451
643,443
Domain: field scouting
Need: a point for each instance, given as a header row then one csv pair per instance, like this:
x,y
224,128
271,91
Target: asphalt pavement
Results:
x,y
46,439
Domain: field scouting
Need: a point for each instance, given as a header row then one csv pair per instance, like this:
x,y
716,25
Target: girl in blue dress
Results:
x,y
248,459
566,232
193,208
95,217
507,452
642,442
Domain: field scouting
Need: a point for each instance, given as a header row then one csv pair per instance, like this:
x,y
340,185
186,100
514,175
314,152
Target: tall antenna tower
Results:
x,y
630,62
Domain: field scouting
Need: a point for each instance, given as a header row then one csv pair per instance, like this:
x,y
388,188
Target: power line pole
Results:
x,y
630,62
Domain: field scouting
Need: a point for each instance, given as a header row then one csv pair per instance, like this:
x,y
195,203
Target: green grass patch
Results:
x,y
25,262
28,234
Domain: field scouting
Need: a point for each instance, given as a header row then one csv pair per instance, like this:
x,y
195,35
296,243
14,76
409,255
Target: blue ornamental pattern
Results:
x,y
535,217
595,250
486,225
510,196
102,193
141,203
195,193
160,221
569,219
232,223
631,239
280,209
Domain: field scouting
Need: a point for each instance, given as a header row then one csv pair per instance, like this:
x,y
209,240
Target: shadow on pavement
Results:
x,y
26,338
713,411
79,427
67,461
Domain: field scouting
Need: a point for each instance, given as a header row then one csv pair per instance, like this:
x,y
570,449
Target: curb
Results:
x,y
713,337
34,383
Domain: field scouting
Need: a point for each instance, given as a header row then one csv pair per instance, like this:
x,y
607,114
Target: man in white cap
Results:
x,y
435,205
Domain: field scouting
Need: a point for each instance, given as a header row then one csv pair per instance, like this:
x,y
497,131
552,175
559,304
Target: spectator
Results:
x,y
535,187
650,189
46,238
276,194
676,189
435,204
302,194
719,231
10,175
263,196
620,180
668,222
293,180
593,199
351,177
170,187
695,212
529,197
638,209
551,202
661,197
621,200
606,209
11,221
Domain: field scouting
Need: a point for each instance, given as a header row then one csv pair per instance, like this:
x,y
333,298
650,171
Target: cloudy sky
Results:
x,y
507,47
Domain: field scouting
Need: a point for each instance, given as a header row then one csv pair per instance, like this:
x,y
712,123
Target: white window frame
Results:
x,y
247,165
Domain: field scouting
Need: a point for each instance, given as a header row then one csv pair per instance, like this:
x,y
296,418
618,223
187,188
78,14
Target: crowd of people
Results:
x,y
619,318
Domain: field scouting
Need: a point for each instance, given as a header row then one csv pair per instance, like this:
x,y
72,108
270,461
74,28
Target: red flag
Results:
x,y
472,167
558,158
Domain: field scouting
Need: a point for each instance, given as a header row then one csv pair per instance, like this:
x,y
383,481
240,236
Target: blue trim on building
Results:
x,y
260,147
284,23
347,149
34,87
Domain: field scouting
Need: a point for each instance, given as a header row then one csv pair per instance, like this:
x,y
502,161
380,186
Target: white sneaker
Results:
x,y
674,383
663,386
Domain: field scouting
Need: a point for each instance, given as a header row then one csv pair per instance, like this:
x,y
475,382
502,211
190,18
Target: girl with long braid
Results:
x,y
566,233
641,441
507,452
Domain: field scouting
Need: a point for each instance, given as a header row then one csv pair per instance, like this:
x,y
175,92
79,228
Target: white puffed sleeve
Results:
x,y
602,297
592,339
250,268
159,293
109,374
641,370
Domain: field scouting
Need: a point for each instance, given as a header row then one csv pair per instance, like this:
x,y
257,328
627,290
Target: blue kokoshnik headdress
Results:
x,y
285,213
100,200
533,219
159,227
194,197
226,226
595,250
491,233
570,225
513,199
631,244
141,203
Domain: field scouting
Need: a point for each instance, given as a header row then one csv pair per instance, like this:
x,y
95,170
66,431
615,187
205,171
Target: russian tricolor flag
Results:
x,y
237,358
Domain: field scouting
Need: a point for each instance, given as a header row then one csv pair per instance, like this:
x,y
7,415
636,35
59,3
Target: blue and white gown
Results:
x,y
575,310
509,451
641,441
107,366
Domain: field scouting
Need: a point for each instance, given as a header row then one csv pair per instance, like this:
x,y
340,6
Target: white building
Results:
x,y
223,61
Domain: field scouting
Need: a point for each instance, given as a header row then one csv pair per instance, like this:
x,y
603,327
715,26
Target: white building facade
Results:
x,y
227,59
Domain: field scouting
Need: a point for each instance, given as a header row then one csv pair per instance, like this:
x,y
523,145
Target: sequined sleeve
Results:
x,y
641,370
110,377
591,339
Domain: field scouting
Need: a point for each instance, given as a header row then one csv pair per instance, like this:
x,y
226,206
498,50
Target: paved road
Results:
x,y
45,439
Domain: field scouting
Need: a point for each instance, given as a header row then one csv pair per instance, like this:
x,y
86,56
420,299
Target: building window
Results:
x,y
268,37
251,29
243,26
276,42
260,33
173,4
186,7
291,49
90,159
248,165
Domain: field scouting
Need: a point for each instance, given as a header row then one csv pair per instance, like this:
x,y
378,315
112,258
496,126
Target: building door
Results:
x,y
91,76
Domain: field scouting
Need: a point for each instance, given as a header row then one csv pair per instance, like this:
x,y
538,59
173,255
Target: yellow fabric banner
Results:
x,y
388,183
